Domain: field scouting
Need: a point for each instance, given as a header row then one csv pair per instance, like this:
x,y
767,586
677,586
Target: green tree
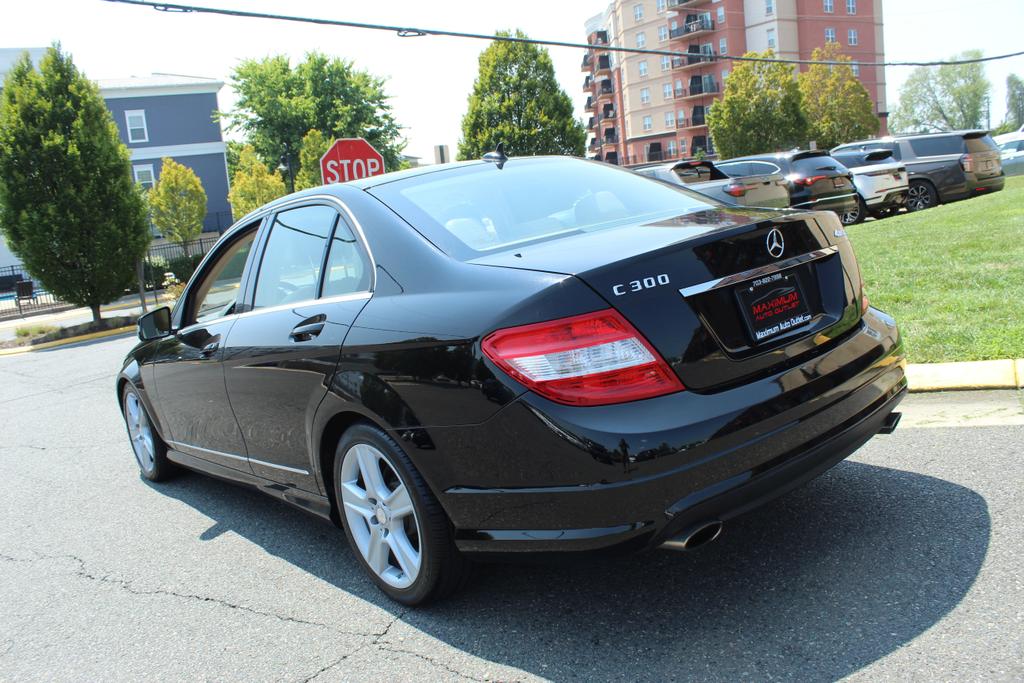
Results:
x,y
253,184
836,105
948,97
760,110
68,205
1015,101
517,100
233,148
177,203
278,104
314,145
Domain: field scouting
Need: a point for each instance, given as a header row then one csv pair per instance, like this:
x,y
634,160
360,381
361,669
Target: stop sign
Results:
x,y
348,159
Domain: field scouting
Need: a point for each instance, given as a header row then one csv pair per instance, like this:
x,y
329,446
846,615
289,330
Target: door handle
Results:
x,y
306,331
209,349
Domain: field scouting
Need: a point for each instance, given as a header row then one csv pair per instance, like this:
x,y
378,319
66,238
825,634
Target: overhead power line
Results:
x,y
414,32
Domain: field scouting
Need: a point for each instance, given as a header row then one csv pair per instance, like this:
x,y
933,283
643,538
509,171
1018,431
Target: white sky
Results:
x,y
429,78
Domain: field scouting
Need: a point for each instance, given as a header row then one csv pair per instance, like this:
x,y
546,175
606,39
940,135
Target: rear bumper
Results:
x,y
540,477
993,184
895,198
836,203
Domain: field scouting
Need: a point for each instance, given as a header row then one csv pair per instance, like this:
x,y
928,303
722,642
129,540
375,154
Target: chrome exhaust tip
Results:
x,y
696,536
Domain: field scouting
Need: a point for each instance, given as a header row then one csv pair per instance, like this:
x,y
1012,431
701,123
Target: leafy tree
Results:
x,y
278,104
314,146
836,105
517,100
232,151
1015,101
177,203
253,184
760,110
68,205
948,97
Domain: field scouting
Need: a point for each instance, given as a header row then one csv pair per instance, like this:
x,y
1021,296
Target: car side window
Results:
x,y
762,168
216,292
293,257
735,169
348,269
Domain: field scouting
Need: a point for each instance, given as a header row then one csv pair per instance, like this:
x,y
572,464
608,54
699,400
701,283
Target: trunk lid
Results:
x,y
698,286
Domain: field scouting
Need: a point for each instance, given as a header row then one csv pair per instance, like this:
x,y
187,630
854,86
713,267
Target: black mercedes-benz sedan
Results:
x,y
533,355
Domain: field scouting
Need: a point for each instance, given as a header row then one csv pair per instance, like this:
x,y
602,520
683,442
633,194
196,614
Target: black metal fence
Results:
x,y
169,259
20,295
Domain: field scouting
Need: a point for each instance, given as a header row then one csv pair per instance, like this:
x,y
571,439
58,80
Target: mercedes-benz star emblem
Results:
x,y
776,245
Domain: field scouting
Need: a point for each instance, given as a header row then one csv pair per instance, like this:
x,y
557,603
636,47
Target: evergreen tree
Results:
x,y
836,105
177,203
253,185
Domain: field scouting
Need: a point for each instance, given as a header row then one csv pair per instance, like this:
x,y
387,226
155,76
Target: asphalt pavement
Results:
x,y
904,562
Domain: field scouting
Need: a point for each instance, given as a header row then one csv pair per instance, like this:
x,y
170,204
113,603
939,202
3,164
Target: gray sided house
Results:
x,y
173,116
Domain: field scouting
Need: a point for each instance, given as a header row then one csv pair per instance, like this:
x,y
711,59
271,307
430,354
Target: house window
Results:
x,y
642,67
144,175
851,36
648,123
679,88
725,75
135,122
641,39
830,35
666,63
666,91
661,5
645,96
680,118
663,33
828,6
851,6
671,148
670,120
771,39
638,12
769,6
682,145
723,49
721,15
856,69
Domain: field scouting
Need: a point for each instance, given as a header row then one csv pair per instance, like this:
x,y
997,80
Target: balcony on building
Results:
x,y
594,145
682,122
604,63
588,83
612,158
606,87
610,136
706,86
693,56
686,3
679,91
589,106
608,112
599,38
591,123
588,61
695,25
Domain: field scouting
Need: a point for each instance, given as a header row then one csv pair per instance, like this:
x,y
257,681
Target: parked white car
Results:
x,y
882,184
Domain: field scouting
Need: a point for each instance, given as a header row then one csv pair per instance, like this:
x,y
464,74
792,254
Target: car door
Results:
x,y
187,369
313,279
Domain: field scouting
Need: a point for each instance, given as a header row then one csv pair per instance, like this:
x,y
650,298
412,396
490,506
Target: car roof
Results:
x,y
791,155
973,132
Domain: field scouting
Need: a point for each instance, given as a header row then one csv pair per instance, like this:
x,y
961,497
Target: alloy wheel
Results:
x,y
918,198
140,432
380,515
850,217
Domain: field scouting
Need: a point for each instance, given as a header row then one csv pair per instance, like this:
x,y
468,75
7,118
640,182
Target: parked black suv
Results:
x,y
815,180
943,167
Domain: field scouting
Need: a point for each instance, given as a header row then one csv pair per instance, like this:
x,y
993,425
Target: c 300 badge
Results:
x,y
648,282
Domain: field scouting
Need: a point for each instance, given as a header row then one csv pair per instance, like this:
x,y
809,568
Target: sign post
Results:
x,y
350,159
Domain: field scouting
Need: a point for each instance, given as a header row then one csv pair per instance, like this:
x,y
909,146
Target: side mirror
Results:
x,y
155,324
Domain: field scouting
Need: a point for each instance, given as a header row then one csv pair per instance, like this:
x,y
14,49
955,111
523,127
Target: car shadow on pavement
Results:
x,y
816,585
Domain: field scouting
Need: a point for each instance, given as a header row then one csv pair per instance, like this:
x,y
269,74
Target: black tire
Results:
x,y
442,569
151,454
856,215
921,196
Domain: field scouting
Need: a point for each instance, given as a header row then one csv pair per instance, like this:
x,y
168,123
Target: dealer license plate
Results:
x,y
773,305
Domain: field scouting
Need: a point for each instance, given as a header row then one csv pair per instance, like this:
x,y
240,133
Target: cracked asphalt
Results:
x,y
902,562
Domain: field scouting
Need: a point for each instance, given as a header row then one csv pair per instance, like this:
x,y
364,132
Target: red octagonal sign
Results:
x,y
349,159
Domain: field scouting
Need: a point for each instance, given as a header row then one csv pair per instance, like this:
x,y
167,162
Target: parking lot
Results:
x,y
902,562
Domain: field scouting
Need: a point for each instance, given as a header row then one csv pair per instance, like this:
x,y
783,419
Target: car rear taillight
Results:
x,y
967,163
808,181
735,189
585,360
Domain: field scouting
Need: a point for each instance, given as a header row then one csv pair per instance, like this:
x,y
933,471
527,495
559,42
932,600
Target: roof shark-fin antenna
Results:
x,y
497,156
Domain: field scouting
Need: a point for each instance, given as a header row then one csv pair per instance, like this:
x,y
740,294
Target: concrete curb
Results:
x,y
979,374
65,342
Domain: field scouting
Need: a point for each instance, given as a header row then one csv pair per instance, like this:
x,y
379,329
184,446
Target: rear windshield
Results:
x,y
933,147
983,144
819,165
477,209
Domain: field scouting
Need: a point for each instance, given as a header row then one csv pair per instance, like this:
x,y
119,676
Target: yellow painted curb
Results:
x,y
65,342
980,374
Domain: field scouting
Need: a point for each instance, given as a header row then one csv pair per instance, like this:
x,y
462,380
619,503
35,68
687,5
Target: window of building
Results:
x,y
828,6
851,6
638,12
666,91
666,62
721,15
135,123
662,4
723,48
144,175
648,123
682,145
680,118
663,33
856,69
642,68
851,36
670,120
771,38
725,75
641,39
830,35
769,6
679,88
645,95
671,148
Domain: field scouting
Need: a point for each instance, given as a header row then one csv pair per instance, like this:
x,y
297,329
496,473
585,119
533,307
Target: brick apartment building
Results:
x,y
644,108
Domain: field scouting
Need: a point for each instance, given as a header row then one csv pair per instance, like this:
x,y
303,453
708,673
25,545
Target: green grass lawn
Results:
x,y
953,276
